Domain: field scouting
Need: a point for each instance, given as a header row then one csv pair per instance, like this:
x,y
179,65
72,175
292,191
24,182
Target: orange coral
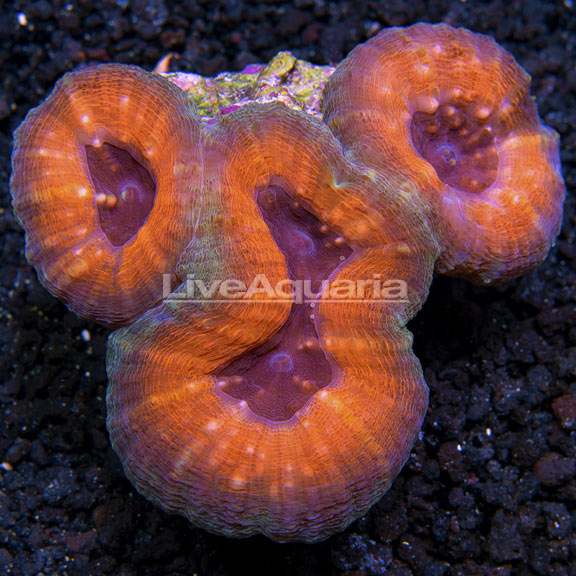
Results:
x,y
111,149
314,461
269,409
446,115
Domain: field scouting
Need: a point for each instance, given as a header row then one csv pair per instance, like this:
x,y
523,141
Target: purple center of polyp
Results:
x,y
461,148
277,378
124,191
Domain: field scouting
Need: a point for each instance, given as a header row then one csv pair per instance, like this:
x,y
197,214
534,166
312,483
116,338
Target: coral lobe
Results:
x,y
450,113
105,132
247,437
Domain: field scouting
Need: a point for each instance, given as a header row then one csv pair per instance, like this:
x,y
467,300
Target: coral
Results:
x,y
112,148
264,263
293,417
447,115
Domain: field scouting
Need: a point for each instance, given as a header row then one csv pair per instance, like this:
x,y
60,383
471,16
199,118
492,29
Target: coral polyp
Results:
x,y
262,240
111,158
447,114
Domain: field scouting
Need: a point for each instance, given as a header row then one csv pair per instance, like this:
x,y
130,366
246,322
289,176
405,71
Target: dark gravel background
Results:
x,y
489,490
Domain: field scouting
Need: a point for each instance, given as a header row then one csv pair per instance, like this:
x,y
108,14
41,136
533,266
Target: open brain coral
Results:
x,y
261,263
